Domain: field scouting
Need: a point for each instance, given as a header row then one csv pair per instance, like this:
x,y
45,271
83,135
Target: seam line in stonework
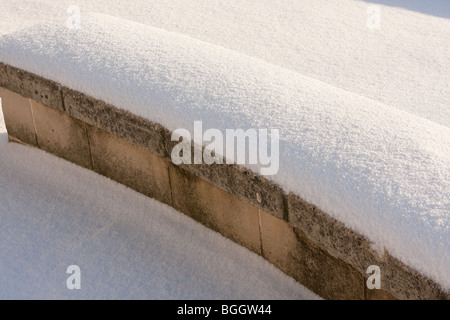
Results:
x,y
89,144
260,233
34,123
170,185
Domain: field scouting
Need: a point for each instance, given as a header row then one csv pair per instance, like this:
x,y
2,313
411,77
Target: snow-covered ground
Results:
x,y
363,112
54,214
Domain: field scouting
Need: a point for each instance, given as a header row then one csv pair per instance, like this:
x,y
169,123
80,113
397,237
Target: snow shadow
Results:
x,y
439,8
3,133
3,137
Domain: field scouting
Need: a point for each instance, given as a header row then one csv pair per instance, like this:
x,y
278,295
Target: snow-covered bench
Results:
x,y
359,183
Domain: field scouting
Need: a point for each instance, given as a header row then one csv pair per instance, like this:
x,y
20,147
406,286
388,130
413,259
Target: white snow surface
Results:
x,y
364,115
54,214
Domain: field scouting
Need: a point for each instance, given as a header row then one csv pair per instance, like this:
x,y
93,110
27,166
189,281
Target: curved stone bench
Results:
x,y
304,242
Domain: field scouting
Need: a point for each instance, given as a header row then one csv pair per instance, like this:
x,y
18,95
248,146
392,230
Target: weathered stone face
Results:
x,y
215,208
31,86
61,135
290,250
129,164
18,117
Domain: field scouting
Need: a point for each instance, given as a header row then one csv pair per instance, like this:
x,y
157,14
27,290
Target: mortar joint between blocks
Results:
x,y
34,123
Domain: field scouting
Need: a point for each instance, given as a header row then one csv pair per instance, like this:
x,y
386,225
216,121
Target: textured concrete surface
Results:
x,y
215,208
133,166
61,135
290,250
18,117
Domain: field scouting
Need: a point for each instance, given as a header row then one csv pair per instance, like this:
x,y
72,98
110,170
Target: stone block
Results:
x,y
129,164
215,208
18,117
61,135
242,182
31,86
118,122
291,251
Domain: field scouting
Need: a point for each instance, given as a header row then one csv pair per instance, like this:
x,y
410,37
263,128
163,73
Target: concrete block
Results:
x,y
129,164
291,251
61,135
18,117
215,208
120,123
31,86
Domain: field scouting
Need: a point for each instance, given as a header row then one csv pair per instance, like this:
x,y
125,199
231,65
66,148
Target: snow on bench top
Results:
x,y
366,141
404,64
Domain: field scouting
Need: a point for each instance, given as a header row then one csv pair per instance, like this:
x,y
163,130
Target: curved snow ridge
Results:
x,y
383,172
